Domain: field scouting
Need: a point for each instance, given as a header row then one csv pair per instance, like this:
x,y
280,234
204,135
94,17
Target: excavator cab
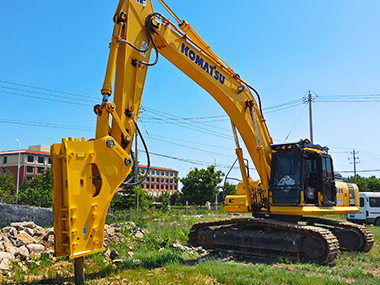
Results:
x,y
302,174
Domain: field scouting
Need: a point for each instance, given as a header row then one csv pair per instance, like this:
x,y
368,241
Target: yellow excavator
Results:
x,y
297,180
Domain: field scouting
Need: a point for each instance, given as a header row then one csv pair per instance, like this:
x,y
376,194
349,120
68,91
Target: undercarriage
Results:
x,y
306,239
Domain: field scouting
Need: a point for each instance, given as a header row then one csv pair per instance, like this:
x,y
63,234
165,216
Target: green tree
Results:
x,y
200,185
38,191
165,201
365,184
126,199
7,187
175,199
229,189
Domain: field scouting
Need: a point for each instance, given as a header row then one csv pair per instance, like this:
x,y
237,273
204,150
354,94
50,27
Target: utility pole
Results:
x,y
355,160
136,170
18,168
310,99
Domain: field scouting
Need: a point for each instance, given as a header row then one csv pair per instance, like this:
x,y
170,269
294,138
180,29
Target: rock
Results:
x,y
26,237
49,252
9,248
17,242
117,261
131,253
36,249
39,231
138,234
31,225
48,233
5,265
107,254
9,231
178,245
21,253
114,254
29,231
6,255
51,239
108,230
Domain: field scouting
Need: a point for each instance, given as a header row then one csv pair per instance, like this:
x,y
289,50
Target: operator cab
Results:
x,y
302,173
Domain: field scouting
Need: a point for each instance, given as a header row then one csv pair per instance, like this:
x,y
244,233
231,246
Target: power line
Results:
x,y
187,125
43,98
194,148
47,125
191,142
192,161
45,89
352,171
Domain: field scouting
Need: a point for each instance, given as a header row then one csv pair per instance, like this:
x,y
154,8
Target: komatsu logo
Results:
x,y
210,69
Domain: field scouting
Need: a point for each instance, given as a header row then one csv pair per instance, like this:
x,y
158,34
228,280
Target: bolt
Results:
x,y
128,161
110,143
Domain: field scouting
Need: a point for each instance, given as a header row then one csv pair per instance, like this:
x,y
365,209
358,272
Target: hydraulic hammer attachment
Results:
x,y
86,175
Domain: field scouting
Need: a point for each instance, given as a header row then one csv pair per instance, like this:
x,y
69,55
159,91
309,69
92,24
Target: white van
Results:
x,y
369,209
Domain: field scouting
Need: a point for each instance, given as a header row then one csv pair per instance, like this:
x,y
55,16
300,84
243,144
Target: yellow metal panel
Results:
x,y
86,175
236,203
312,210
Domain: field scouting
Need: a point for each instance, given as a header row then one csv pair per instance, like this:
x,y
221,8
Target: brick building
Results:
x,y
33,160
159,180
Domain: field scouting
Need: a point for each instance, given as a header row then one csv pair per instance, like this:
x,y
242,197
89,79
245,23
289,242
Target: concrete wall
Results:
x,y
10,213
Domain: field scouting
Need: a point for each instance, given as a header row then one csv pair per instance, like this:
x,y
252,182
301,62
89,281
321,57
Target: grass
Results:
x,y
151,260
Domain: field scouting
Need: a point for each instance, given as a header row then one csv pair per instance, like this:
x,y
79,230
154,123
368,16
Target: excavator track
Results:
x,y
352,237
267,238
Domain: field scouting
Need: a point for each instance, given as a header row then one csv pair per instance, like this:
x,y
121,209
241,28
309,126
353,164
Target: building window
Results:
x,y
5,159
162,173
29,169
157,186
4,170
30,158
167,180
41,159
147,179
162,186
29,177
162,179
171,173
142,171
49,160
40,170
167,173
171,187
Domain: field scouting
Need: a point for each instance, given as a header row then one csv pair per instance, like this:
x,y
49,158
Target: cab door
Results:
x,y
328,181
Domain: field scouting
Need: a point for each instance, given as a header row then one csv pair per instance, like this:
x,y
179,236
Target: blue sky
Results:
x,y
283,48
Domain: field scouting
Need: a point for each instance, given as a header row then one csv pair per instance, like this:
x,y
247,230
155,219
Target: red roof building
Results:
x,y
33,160
159,180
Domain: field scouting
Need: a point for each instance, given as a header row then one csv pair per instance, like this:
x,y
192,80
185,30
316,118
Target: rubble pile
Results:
x,y
24,240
